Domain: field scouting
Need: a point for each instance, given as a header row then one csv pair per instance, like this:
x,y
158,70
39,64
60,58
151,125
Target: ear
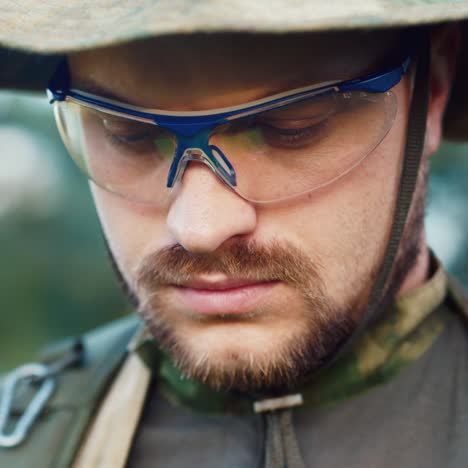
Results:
x,y
445,43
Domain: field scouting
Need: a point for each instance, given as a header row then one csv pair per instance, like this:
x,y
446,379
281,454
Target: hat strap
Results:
x,y
415,136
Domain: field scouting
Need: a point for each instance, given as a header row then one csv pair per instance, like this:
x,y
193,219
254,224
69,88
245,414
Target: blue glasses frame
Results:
x,y
193,129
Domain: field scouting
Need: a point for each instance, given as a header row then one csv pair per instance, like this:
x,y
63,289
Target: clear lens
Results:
x,y
124,156
276,155
303,146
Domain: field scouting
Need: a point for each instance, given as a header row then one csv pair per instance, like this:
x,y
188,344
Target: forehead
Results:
x,y
190,72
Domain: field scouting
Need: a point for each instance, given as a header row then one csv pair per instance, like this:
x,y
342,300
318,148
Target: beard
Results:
x,y
317,329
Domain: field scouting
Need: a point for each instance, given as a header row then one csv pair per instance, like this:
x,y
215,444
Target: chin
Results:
x,y
249,357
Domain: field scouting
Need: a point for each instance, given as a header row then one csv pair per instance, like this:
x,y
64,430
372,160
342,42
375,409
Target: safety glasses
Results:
x,y
267,150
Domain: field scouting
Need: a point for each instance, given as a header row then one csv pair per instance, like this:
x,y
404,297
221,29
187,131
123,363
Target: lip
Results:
x,y
224,297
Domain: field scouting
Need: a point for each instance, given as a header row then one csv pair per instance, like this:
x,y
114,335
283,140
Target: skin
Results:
x,y
341,231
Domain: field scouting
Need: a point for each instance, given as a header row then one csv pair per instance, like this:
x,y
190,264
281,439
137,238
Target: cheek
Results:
x,y
133,231
344,227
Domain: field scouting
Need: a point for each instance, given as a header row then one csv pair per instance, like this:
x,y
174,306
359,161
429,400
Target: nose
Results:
x,y
205,212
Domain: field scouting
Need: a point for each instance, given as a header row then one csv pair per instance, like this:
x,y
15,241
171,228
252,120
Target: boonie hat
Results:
x,y
34,34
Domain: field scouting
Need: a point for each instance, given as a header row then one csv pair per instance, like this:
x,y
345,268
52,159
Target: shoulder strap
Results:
x,y
458,297
108,440
58,432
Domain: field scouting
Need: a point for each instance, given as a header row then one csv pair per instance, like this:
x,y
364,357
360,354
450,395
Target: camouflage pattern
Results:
x,y
79,24
403,334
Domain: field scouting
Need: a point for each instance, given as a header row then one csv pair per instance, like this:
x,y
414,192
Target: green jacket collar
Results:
x,y
404,332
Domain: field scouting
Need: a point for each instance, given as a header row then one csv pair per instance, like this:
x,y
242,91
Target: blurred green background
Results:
x,y
55,279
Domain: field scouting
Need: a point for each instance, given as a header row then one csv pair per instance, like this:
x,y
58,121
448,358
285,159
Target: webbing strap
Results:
x,y
281,447
415,137
109,439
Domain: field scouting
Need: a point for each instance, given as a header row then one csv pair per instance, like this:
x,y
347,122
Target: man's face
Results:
x,y
245,295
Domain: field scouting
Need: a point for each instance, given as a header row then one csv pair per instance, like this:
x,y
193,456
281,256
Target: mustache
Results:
x,y
238,259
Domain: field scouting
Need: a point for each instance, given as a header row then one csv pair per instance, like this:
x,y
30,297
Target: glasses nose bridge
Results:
x,y
196,147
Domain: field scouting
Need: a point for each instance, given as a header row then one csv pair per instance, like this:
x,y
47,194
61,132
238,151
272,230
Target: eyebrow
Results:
x,y
90,86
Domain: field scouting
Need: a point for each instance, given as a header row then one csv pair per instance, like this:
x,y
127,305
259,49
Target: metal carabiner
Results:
x,y
33,374
25,374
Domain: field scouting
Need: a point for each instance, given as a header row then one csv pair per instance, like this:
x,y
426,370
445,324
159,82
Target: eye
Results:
x,y
293,134
127,132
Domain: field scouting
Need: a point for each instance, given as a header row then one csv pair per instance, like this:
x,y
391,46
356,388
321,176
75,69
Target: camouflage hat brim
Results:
x,y
78,24
33,34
